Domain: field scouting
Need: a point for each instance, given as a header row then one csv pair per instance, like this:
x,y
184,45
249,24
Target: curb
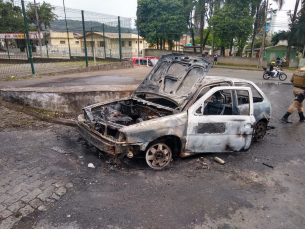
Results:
x,y
37,115
238,68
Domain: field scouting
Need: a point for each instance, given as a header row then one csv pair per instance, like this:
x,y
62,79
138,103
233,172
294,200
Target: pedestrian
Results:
x,y
278,60
203,54
298,80
284,60
208,56
215,58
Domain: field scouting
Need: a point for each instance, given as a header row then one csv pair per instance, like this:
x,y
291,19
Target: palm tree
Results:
x,y
45,14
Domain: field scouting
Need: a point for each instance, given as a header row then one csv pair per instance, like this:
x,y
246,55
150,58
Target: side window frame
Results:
x,y
200,103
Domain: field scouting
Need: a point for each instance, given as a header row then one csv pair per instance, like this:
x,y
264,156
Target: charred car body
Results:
x,y
179,110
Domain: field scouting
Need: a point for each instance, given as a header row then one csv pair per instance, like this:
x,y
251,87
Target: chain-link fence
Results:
x,y
41,38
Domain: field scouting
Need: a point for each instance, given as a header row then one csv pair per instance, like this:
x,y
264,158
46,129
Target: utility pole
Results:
x,y
262,50
38,28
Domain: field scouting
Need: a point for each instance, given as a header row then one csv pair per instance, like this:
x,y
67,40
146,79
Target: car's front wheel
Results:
x,y
158,155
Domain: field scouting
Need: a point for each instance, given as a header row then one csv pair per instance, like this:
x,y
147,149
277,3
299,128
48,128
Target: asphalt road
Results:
x,y
243,193
124,76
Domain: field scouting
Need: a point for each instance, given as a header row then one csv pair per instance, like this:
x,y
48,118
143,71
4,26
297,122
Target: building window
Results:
x,y
123,43
101,43
62,42
129,43
77,42
140,42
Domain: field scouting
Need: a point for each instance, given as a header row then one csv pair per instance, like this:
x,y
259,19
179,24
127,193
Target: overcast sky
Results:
x,y
123,8
128,8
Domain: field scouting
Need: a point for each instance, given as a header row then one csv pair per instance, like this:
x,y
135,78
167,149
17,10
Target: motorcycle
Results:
x,y
280,74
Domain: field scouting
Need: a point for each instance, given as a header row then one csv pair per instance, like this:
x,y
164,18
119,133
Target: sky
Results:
x,y
123,8
282,21
128,8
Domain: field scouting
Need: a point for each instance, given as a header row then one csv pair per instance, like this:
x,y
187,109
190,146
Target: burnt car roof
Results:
x,y
176,77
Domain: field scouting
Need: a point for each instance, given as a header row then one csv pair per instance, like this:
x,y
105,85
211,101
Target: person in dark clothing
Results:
x,y
215,58
278,60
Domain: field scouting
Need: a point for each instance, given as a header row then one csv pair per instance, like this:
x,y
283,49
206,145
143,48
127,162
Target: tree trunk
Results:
x,y
254,32
157,43
288,53
206,39
202,9
161,44
193,38
231,45
292,30
262,50
223,51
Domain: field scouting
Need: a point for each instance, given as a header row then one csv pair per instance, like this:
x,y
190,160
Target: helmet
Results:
x,y
272,62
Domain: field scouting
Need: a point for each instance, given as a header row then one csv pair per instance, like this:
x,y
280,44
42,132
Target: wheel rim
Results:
x,y
283,77
260,131
158,156
266,76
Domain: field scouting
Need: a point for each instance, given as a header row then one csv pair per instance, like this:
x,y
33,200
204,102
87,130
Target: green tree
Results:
x,y
158,20
11,20
45,15
232,24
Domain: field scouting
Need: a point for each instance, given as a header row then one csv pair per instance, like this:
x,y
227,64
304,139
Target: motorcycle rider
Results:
x,y
273,69
298,80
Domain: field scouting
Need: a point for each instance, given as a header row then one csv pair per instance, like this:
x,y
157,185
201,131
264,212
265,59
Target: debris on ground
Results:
x,y
220,161
90,165
203,163
270,166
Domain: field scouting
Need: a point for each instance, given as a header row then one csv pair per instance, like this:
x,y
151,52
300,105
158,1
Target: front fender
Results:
x,y
148,131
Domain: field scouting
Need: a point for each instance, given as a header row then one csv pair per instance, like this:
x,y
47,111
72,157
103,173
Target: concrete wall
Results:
x,y
236,60
66,102
302,62
294,63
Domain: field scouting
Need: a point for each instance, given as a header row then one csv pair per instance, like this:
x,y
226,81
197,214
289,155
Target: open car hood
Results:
x,y
176,77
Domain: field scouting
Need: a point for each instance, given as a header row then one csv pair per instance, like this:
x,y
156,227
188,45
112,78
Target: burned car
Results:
x,y
179,110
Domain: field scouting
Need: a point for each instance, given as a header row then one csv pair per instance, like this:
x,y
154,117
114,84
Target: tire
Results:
x,y
266,76
283,77
158,155
260,131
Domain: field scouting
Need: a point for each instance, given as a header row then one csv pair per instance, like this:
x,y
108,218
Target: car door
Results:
x,y
215,123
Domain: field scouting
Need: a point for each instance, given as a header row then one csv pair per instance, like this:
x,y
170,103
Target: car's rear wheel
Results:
x,y
260,131
158,155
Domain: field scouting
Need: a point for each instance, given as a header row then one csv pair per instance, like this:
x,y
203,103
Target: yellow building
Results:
x,y
58,42
129,44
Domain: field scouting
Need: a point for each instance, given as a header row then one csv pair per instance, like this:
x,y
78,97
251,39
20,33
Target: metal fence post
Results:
x,y
67,29
46,43
120,41
8,51
27,37
104,39
92,42
26,48
85,44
